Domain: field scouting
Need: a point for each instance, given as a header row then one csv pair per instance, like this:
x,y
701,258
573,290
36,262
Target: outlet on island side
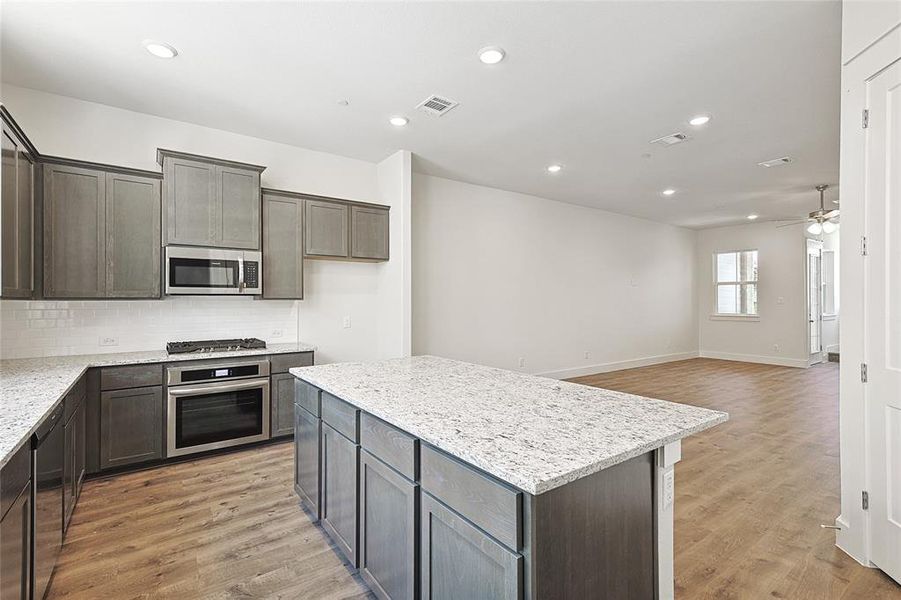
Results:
x,y
345,323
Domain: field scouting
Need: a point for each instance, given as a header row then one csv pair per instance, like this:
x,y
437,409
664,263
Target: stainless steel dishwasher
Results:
x,y
47,474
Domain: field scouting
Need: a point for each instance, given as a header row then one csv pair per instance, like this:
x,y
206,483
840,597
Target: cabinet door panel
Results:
x,y
74,232
369,232
282,405
9,149
282,247
238,208
460,561
307,459
133,236
325,227
190,188
387,530
15,543
339,491
130,426
25,224
74,462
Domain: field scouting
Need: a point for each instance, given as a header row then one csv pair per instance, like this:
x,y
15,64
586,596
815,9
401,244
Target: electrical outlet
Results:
x,y
109,341
775,347
522,362
346,322
587,355
780,300
669,488
277,333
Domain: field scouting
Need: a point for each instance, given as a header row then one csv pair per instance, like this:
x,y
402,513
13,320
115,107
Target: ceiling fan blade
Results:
x,y
831,214
792,223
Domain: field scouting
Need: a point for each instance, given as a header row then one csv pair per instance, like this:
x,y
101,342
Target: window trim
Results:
x,y
718,316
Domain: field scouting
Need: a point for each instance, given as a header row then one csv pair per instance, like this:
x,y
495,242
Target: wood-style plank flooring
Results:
x,y
750,496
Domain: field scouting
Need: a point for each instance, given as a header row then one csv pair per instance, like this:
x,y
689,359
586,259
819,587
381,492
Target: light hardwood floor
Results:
x,y
750,496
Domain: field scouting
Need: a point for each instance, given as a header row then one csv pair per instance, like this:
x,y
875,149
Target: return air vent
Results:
x,y
776,162
436,105
671,139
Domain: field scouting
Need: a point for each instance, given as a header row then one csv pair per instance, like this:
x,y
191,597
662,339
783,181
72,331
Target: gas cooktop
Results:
x,y
215,345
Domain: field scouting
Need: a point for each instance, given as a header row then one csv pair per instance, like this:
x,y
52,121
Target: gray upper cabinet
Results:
x,y
326,229
17,214
369,232
131,424
132,236
101,232
282,246
74,232
209,201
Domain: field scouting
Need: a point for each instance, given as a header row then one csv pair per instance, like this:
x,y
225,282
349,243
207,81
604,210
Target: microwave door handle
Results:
x,y
213,388
241,275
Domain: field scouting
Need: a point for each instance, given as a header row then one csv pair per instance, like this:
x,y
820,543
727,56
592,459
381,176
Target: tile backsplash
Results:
x,y
52,328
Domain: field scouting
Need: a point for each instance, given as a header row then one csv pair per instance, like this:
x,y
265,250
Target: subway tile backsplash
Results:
x,y
52,328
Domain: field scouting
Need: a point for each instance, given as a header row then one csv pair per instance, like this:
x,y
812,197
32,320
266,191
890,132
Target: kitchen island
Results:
x,y
443,479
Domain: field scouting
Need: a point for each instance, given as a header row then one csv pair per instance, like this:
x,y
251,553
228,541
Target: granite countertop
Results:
x,y
31,387
532,432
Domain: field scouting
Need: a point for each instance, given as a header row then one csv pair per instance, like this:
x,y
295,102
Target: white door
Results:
x,y
814,301
883,318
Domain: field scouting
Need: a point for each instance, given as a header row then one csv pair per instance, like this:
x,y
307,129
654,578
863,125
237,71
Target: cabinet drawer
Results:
x,y
340,415
13,477
75,397
118,378
280,363
490,504
388,443
306,396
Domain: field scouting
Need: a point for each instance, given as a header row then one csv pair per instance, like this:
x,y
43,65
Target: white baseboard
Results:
x,y
781,361
618,365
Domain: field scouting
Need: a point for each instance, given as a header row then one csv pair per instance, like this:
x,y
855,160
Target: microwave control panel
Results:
x,y
251,274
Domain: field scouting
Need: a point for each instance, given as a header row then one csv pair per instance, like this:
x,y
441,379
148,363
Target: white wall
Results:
x,y
63,126
866,21
500,275
779,336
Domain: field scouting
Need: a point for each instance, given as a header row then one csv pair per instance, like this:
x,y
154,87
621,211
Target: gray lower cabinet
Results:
x,y
340,463
325,229
281,409
460,561
388,507
307,459
209,201
132,236
369,232
282,246
101,233
15,548
74,461
16,215
131,426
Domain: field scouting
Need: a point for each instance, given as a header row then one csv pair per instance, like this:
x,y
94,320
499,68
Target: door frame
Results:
x,y
814,247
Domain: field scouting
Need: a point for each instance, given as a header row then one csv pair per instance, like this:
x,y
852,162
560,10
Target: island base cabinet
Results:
x,y
339,491
15,548
307,433
460,561
388,507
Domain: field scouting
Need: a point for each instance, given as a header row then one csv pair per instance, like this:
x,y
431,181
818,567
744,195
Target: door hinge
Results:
x,y
865,118
865,500
863,372
863,245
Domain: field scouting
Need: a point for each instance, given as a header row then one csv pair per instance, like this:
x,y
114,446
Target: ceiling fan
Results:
x,y
822,220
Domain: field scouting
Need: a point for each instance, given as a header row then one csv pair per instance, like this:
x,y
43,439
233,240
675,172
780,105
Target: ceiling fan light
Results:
x,y
815,229
829,227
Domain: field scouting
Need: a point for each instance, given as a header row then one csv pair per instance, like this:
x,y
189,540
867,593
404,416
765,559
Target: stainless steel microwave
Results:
x,y
213,271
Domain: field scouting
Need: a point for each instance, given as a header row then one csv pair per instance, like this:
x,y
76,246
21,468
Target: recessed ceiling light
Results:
x,y
398,121
752,217
492,55
669,192
554,168
699,120
160,49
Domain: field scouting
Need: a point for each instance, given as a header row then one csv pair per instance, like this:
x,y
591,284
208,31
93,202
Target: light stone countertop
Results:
x,y
30,388
532,432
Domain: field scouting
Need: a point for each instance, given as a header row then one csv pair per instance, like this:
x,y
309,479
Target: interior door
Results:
x,y
814,301
883,318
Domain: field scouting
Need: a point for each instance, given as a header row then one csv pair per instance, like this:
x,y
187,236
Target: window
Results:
x,y
830,283
736,282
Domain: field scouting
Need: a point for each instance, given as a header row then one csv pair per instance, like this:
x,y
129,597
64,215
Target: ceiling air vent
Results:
x,y
436,105
776,162
671,139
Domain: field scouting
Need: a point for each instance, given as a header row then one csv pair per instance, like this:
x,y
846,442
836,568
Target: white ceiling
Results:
x,y
585,84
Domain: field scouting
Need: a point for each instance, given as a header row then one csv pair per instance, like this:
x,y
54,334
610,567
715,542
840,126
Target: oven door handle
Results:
x,y
214,388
